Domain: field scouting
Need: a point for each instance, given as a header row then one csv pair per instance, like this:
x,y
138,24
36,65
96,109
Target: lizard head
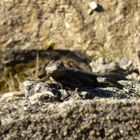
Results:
x,y
54,67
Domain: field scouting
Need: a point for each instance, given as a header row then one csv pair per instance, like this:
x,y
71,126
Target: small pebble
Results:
x,y
93,5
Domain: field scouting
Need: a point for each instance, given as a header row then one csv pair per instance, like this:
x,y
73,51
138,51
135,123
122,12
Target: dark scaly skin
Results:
x,y
75,78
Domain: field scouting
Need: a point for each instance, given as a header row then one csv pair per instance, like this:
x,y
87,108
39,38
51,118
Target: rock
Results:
x,y
26,26
39,91
11,96
134,75
94,119
93,5
48,108
121,66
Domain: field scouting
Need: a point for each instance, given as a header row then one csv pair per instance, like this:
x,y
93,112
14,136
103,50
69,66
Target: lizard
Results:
x,y
76,78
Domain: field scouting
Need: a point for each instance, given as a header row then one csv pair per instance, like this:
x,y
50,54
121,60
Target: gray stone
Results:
x,y
94,119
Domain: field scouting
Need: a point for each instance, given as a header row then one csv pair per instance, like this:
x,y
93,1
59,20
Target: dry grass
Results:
x,y
10,80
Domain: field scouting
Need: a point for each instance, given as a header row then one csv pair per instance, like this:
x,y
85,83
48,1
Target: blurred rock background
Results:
x,y
113,31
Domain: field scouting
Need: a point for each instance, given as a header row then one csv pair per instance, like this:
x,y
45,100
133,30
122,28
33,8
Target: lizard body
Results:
x,y
73,77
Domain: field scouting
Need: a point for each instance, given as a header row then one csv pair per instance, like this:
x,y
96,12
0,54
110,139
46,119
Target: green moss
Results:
x,y
49,44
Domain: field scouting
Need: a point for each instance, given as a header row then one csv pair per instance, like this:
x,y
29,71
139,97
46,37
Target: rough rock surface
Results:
x,y
55,91
41,111
89,119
